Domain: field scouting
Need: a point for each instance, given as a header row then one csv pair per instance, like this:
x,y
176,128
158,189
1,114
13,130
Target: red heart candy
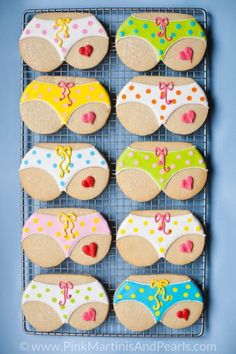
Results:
x,y
189,117
90,315
183,314
87,50
88,182
88,117
186,247
91,249
187,183
186,54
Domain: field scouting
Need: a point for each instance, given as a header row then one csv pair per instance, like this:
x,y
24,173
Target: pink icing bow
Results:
x,y
65,286
163,23
163,219
165,87
66,90
162,153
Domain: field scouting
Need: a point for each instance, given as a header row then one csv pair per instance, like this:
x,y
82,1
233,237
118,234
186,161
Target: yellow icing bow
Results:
x,y
161,290
62,25
65,153
69,223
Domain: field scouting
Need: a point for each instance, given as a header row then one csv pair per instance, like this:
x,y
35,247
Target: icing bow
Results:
x,y
163,219
165,87
66,86
69,223
161,291
162,153
65,286
62,25
65,153
163,23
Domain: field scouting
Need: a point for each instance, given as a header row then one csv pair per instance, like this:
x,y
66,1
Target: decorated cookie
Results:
x,y
144,169
49,102
147,102
77,38
141,301
78,169
51,235
144,39
50,300
144,237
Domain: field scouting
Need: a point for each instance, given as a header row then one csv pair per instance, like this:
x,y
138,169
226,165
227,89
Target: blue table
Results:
x,y
221,309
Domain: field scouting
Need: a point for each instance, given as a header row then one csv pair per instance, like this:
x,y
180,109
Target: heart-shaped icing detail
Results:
x,y
88,182
183,314
88,117
186,54
187,183
188,117
87,50
89,315
186,247
90,250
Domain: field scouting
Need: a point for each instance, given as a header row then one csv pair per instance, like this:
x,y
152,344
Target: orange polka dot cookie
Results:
x,y
50,236
76,38
51,300
144,237
144,169
145,39
147,102
49,102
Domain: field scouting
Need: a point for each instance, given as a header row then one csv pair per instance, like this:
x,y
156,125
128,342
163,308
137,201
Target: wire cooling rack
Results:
x,y
111,140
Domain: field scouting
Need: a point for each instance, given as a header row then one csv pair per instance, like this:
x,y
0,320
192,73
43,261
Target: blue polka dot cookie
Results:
x,y
144,39
78,169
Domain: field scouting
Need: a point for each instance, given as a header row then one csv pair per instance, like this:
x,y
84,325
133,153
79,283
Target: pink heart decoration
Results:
x,y
188,117
187,183
186,54
186,247
90,315
88,117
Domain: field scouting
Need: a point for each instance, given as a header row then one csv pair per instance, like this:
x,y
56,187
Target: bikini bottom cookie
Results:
x,y
78,169
141,301
144,169
51,235
144,237
50,300
50,102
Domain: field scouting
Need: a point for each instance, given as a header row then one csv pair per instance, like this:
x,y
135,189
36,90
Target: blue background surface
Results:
x,y
221,313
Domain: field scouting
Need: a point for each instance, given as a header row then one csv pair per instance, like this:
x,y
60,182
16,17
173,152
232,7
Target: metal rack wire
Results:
x,y
111,140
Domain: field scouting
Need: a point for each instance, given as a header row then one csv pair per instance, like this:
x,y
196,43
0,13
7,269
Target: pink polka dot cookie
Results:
x,y
76,38
147,102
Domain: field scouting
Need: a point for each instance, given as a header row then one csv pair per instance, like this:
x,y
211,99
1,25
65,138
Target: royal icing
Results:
x,y
65,297
164,98
158,296
161,230
160,164
161,33
63,163
65,97
63,33
67,229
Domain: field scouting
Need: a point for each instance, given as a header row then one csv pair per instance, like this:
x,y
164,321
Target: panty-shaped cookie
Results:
x,y
49,39
141,301
49,102
147,102
144,39
50,300
51,235
144,169
144,237
78,169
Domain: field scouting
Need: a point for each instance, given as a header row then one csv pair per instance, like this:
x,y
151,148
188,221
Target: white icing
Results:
x,y
48,160
160,241
78,29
